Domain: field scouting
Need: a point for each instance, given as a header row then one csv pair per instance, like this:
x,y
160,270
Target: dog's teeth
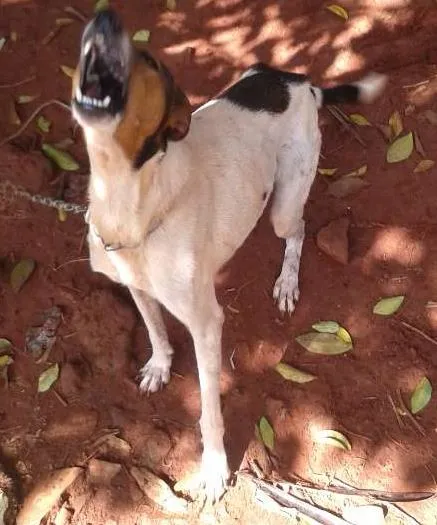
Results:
x,y
106,101
87,47
78,94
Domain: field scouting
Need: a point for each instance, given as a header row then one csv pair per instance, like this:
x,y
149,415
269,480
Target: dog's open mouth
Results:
x,y
103,67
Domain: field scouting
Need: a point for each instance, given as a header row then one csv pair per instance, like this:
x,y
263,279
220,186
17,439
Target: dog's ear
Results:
x,y
179,119
178,109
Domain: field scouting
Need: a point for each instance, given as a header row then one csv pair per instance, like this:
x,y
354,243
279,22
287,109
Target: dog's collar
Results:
x,y
113,247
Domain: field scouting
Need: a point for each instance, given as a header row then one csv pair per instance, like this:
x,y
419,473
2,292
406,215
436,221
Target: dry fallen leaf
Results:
x,y
344,335
347,186
334,439
388,305
359,120
45,494
400,149
48,377
62,215
358,172
327,171
323,343
266,432
328,327
21,273
61,158
293,374
143,35
5,344
338,10
68,71
424,165
5,360
395,123
421,395
101,5
25,99
43,124
64,21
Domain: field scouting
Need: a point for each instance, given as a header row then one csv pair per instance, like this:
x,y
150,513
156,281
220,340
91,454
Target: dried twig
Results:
x,y
55,269
238,292
418,331
34,114
231,359
318,514
60,398
395,410
344,121
417,84
356,434
389,503
18,83
73,11
408,414
156,417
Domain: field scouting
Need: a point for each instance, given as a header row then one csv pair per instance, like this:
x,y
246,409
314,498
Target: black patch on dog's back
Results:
x,y
264,89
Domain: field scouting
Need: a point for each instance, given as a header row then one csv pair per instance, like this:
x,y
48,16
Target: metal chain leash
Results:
x,y
9,191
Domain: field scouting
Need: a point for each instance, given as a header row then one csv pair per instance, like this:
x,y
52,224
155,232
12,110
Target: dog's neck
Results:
x,y
124,204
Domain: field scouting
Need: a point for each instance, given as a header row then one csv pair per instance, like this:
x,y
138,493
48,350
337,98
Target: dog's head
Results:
x,y
121,90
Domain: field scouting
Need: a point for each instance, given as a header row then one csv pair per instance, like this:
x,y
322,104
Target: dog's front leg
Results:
x,y
156,371
206,330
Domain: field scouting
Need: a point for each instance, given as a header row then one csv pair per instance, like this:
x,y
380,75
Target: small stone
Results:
x,y
333,240
102,472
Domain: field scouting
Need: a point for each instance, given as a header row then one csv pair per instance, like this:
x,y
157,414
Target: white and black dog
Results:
x,y
173,194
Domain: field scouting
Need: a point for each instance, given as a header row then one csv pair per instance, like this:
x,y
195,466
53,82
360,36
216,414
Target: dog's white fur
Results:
x,y
207,192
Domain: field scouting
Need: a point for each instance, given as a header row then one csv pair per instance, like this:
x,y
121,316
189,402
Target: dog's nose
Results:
x,y
107,23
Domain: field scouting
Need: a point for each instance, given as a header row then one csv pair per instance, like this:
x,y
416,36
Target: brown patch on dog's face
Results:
x,y
156,111
118,88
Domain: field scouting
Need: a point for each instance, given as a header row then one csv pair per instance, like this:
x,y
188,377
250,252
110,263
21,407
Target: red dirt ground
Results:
x,y
102,342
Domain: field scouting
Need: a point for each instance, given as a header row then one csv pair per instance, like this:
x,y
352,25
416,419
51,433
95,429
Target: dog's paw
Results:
x,y
214,474
155,374
286,290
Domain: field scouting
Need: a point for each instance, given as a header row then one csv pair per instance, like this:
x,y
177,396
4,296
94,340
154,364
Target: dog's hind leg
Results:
x,y
297,165
156,372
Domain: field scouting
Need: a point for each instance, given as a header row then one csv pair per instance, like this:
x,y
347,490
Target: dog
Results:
x,y
174,193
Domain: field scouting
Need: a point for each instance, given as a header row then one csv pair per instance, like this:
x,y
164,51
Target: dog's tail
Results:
x,y
365,90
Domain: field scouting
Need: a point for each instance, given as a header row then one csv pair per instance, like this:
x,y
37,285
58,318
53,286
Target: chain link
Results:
x,y
9,191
